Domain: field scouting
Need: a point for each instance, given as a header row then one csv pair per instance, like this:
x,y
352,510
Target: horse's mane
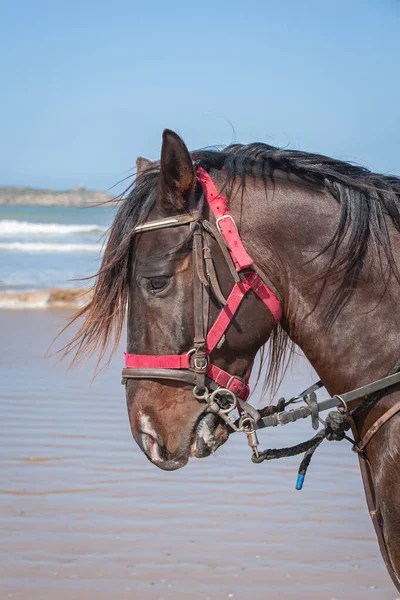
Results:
x,y
367,201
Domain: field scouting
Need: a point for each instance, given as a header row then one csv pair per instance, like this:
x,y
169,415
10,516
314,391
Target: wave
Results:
x,y
52,298
12,227
38,247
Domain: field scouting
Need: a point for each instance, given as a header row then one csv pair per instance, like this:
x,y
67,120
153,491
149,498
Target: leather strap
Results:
x,y
265,294
196,364
224,221
230,233
365,440
215,374
370,388
212,230
200,303
198,256
148,361
226,315
370,496
237,385
183,375
212,275
376,517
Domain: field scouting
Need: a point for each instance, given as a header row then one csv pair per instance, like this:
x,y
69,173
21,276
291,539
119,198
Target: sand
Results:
x,y
85,516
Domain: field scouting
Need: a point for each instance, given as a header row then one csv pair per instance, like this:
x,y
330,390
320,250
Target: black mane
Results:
x,y
366,200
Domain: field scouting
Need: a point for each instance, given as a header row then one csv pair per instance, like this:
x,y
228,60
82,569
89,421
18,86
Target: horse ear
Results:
x,y
177,174
142,164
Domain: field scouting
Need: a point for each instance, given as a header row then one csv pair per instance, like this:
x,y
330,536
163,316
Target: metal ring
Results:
x,y
251,422
344,405
203,396
224,392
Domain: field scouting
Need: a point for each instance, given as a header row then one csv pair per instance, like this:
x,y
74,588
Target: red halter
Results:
x,y
250,281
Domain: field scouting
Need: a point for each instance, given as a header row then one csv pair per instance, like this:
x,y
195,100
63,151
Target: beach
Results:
x,y
85,516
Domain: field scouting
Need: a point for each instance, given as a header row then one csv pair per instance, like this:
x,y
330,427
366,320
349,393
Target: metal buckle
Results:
x,y
222,218
240,379
200,363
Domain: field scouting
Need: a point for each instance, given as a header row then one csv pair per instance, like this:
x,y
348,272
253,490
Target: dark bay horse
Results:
x,y
325,236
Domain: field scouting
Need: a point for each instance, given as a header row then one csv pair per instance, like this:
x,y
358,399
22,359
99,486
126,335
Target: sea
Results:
x,y
45,247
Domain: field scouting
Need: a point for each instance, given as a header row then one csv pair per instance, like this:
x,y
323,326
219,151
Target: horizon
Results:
x,y
91,87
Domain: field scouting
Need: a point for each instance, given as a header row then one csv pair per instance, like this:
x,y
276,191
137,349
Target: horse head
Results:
x,y
173,284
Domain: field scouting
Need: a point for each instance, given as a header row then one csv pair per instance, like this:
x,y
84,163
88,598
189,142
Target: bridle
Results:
x,y
222,391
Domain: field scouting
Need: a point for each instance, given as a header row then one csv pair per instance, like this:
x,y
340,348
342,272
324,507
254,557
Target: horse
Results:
x,y
316,266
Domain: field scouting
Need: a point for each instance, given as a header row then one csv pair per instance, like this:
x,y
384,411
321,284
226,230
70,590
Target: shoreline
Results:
x,y
45,299
24,196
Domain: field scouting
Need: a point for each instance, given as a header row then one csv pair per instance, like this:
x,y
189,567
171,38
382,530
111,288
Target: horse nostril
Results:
x,y
152,448
152,444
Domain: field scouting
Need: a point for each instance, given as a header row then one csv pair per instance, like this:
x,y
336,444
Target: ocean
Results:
x,y
45,247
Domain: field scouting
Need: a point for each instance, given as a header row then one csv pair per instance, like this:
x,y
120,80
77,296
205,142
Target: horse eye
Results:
x,y
158,283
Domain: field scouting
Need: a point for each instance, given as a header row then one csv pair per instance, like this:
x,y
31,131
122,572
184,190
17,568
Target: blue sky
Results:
x,y
88,86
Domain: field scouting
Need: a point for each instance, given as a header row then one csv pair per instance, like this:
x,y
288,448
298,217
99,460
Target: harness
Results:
x,y
224,392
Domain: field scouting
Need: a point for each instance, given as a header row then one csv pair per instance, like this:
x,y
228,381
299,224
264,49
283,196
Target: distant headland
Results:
x,y
25,196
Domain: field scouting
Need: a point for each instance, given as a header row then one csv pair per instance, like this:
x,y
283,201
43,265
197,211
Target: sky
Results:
x,y
87,86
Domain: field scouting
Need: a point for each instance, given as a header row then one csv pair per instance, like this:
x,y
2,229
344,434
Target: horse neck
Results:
x,y
283,229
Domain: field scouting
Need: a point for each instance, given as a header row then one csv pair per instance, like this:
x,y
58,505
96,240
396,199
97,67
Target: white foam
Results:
x,y
38,247
14,302
51,298
13,227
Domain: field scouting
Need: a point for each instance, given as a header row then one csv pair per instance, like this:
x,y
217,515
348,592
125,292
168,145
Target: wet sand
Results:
x,y
84,515
51,298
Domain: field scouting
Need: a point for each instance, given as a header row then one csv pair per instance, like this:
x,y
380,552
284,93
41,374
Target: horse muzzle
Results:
x,y
208,435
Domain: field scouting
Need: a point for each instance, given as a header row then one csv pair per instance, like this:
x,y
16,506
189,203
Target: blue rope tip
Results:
x,y
300,481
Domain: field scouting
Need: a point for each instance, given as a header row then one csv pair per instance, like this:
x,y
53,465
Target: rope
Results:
x,y
273,453
335,428
336,425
